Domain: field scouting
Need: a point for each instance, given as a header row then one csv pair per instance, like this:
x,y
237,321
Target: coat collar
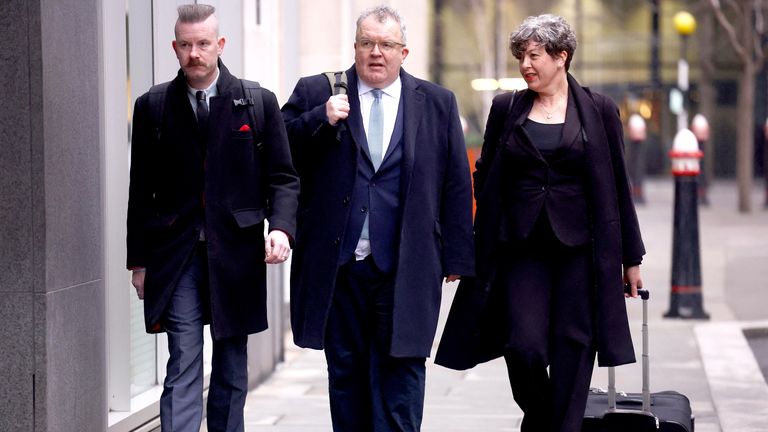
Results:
x,y
414,109
581,115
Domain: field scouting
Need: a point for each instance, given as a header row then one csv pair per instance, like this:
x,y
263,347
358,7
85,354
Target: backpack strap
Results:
x,y
157,95
255,104
337,81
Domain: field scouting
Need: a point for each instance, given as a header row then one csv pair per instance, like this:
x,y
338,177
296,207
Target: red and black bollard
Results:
x,y
686,299
636,131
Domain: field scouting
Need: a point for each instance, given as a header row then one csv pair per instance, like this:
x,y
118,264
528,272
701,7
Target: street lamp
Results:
x,y
685,24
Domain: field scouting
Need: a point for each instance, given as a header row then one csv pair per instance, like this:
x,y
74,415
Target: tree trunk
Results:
x,y
745,136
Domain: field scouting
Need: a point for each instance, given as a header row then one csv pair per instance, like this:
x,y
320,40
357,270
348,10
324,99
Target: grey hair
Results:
x,y
195,13
549,30
382,13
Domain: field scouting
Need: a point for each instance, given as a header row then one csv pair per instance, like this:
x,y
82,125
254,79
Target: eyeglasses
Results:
x,y
384,46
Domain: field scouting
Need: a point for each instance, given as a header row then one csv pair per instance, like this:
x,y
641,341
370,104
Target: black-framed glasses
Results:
x,y
384,46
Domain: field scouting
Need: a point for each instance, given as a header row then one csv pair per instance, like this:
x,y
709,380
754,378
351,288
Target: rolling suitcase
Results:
x,y
666,411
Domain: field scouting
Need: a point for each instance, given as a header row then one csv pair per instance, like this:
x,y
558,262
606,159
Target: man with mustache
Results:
x,y
385,214
210,162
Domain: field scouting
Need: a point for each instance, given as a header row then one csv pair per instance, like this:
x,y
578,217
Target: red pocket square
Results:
x,y
245,128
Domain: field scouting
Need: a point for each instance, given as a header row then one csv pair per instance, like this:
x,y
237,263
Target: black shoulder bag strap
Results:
x,y
255,103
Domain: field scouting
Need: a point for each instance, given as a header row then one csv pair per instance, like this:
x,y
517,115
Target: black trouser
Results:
x,y
549,315
369,389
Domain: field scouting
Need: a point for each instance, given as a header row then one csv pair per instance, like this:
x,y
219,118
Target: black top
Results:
x,y
545,137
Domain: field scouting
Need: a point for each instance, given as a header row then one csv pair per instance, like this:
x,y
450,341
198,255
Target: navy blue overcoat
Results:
x,y
435,237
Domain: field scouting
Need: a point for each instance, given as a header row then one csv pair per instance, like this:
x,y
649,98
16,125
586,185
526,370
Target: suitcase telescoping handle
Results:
x,y
645,295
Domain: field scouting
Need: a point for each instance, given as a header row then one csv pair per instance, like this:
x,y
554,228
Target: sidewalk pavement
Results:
x,y
709,361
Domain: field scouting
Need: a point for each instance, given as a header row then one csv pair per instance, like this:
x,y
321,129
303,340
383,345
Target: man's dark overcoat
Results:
x,y
435,236
228,178
474,332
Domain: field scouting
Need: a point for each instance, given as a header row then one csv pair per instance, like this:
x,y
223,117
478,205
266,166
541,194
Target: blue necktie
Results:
x,y
375,140
376,129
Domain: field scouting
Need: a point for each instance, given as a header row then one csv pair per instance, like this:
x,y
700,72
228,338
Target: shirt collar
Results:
x,y
392,90
210,91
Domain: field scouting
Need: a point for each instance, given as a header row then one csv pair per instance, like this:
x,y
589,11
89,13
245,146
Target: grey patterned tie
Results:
x,y
375,139
376,129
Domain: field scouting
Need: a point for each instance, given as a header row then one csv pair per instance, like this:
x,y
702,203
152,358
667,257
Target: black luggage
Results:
x,y
666,411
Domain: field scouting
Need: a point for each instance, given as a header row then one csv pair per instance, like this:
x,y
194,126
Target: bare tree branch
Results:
x,y
735,6
735,43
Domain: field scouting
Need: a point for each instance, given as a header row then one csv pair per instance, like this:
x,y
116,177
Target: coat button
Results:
x,y
346,200
337,241
363,209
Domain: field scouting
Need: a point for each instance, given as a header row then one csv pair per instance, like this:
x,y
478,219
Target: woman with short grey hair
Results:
x,y
556,237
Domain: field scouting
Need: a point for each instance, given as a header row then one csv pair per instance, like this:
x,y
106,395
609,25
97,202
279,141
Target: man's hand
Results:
x,y
452,278
277,248
137,280
633,279
337,108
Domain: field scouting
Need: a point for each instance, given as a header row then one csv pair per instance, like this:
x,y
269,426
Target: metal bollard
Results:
x,y
636,156
686,295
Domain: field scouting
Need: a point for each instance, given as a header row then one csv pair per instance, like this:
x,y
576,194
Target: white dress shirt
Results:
x,y
210,92
390,101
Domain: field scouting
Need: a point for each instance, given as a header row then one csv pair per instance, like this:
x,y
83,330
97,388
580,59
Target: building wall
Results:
x,y
52,286
68,93
320,36
18,275
64,163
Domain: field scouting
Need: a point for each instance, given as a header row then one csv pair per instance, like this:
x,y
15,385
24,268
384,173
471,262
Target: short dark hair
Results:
x,y
549,30
195,13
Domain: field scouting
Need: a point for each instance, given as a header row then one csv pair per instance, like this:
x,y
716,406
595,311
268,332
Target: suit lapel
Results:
x,y
591,120
413,112
355,119
572,122
520,113
183,114
228,88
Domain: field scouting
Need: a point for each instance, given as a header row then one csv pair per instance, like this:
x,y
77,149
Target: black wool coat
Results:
x,y
475,331
435,236
233,184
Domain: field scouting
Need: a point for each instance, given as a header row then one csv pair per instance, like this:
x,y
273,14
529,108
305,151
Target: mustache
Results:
x,y
196,63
